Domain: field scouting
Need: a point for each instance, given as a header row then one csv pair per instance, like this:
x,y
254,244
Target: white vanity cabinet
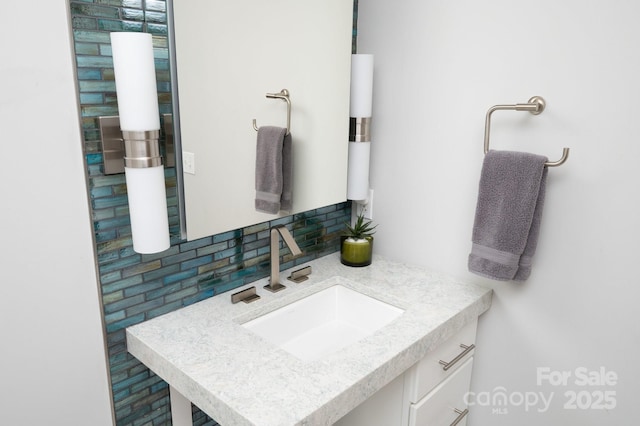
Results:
x,y
427,394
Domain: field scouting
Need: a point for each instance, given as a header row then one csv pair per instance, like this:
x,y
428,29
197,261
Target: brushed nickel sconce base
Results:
x,y
359,129
141,149
133,149
112,144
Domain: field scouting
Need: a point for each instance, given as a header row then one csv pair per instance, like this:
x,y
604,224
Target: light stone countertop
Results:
x,y
238,378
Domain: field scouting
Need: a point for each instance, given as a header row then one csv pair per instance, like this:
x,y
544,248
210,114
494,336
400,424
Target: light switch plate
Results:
x,y
188,162
368,213
365,206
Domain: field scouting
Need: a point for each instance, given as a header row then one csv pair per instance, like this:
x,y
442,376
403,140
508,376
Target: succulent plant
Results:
x,y
361,229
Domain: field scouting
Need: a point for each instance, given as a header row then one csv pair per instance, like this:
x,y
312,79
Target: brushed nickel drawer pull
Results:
x,y
460,414
447,365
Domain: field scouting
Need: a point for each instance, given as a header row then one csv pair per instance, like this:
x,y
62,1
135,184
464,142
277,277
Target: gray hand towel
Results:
x,y
508,212
286,200
273,170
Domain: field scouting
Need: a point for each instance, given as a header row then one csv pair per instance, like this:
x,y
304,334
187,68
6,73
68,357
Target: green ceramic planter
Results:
x,y
356,252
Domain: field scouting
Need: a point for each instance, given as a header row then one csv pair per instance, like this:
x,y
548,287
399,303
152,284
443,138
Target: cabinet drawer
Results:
x,y
428,372
439,407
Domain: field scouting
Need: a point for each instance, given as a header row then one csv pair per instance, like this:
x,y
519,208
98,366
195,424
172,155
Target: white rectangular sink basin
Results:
x,y
324,322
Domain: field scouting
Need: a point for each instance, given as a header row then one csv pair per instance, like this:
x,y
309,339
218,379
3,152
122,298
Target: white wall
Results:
x,y
52,362
439,67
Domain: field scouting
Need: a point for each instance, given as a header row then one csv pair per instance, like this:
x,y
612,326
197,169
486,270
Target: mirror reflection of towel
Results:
x,y
273,170
508,212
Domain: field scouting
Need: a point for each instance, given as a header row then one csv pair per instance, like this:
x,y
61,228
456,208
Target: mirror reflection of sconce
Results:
x,y
137,128
359,127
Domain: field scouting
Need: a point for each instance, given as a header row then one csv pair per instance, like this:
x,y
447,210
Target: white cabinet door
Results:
x,y
439,407
384,408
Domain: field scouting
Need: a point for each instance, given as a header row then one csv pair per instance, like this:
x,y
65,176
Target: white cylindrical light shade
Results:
x,y
358,173
135,74
136,89
360,111
361,85
148,209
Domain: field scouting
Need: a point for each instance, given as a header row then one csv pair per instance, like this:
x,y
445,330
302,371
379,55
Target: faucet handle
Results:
x,y
300,275
289,240
247,296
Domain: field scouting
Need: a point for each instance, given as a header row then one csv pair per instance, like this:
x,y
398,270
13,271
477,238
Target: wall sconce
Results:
x,y
140,125
360,126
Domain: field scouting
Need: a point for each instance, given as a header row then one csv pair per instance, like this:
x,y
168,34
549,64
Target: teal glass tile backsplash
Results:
x,y
136,287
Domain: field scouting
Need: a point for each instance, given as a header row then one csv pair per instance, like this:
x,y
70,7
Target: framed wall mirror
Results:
x,y
227,55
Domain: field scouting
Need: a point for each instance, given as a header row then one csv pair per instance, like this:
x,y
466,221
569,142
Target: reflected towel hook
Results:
x,y
284,95
535,106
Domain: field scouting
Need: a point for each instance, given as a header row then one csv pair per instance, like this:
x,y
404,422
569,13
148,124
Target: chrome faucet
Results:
x,y
274,282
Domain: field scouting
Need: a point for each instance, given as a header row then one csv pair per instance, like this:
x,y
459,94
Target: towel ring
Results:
x,y
535,106
284,95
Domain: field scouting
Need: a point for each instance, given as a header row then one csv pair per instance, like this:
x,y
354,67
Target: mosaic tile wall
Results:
x,y
137,287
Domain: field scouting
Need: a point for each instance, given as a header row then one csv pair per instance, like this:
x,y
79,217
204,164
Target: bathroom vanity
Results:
x,y
211,354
